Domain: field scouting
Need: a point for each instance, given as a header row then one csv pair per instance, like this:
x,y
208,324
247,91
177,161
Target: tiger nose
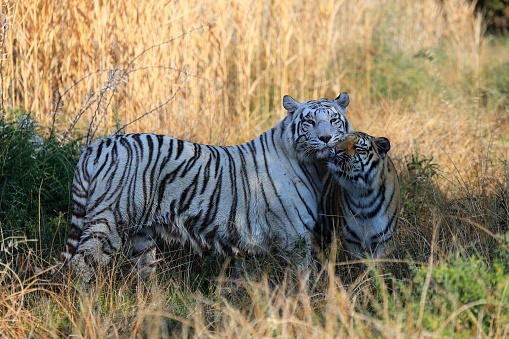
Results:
x,y
325,138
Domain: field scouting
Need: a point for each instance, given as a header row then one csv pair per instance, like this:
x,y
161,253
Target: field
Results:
x,y
424,74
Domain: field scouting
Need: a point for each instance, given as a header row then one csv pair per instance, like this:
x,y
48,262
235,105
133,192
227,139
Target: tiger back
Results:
x,y
363,196
129,190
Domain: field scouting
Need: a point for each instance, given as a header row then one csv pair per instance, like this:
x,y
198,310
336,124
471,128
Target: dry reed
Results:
x,y
215,71
228,59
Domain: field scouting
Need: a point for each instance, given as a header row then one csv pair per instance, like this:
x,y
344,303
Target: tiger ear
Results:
x,y
290,104
383,145
342,100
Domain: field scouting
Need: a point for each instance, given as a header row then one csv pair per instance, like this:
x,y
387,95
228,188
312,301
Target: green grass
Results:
x,y
472,289
397,75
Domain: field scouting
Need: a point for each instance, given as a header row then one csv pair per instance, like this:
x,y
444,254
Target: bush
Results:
x,y
35,182
495,13
466,295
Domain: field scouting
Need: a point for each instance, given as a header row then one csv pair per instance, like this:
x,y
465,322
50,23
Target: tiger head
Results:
x,y
316,126
358,159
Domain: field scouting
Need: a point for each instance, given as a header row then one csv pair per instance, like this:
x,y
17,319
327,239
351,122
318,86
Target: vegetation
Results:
x,y
424,74
496,14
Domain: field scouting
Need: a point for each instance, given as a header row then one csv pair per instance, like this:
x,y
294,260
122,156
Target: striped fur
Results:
x,y
130,189
362,196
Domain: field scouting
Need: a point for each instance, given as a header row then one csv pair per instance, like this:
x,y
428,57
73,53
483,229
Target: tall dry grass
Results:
x,y
198,66
216,71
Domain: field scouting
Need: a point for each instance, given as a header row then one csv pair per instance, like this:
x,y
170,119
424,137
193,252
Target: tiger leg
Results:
x,y
98,243
141,251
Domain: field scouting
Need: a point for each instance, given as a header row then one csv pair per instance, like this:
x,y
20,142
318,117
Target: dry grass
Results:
x,y
109,62
216,72
290,306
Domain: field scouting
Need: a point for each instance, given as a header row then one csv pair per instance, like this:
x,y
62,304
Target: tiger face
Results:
x,y
358,159
316,125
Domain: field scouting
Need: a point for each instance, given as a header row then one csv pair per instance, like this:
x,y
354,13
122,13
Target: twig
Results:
x,y
98,97
164,43
122,129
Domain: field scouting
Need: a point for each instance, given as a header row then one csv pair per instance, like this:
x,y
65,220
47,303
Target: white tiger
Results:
x,y
129,189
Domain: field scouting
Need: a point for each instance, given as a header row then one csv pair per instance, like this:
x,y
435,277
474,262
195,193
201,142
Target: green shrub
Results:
x,y
495,13
418,186
35,181
466,281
